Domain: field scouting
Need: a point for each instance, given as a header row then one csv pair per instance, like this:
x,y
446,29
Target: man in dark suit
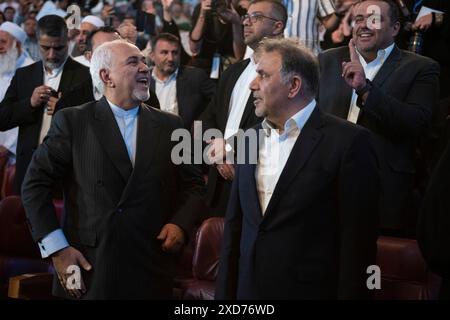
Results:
x,y
31,98
232,107
301,222
184,91
390,92
433,233
127,206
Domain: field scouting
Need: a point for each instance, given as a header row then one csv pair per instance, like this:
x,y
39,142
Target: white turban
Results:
x,y
94,20
14,30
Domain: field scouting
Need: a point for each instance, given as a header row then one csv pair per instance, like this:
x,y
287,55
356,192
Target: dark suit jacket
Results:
x,y
113,212
194,91
215,117
15,109
318,234
398,110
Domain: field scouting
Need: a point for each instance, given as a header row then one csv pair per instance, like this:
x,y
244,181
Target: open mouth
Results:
x,y
144,81
364,35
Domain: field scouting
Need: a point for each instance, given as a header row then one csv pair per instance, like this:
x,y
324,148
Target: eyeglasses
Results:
x,y
254,17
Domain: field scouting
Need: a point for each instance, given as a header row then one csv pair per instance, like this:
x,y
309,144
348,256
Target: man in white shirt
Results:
x,y
301,222
184,91
232,107
392,93
31,98
88,24
12,57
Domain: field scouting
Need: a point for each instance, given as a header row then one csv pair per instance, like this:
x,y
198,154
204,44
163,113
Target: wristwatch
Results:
x,y
364,89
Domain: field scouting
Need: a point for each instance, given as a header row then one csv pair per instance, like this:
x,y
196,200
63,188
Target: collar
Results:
x,y
170,78
122,113
297,121
382,55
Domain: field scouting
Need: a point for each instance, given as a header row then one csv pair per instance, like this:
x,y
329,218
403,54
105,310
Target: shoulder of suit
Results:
x,y
416,58
71,63
160,114
334,52
29,68
345,128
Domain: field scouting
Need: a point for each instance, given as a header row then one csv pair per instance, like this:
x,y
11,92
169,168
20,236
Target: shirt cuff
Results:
x,y
52,242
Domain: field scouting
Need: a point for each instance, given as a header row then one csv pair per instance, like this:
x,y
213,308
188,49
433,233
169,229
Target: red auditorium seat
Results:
x,y
205,261
7,185
18,253
3,161
404,274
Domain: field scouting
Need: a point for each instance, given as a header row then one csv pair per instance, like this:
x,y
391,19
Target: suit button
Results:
x,y
119,210
100,183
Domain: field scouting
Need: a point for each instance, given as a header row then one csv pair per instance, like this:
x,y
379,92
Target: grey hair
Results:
x,y
296,59
102,59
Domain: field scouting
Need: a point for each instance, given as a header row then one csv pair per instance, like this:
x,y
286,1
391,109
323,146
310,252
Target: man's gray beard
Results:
x,y
8,60
140,95
52,65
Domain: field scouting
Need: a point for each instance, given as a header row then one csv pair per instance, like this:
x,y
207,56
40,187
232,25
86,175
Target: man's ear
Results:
x,y
396,28
295,85
278,28
104,75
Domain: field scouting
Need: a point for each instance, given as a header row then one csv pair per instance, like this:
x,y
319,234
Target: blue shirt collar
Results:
x,y
122,113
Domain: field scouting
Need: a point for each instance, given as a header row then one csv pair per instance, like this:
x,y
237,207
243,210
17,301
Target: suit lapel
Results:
x,y
108,133
345,93
306,142
67,76
388,67
249,191
147,141
181,94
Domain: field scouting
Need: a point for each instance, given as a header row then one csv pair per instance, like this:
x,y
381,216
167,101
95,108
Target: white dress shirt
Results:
x,y
127,123
370,69
51,79
166,91
239,97
82,59
8,138
274,151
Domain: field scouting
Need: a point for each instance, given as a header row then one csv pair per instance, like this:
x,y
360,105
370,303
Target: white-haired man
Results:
x,y
12,57
127,205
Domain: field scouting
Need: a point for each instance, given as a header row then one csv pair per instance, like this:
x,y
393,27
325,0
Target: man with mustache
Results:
x,y
128,206
390,92
31,98
12,57
184,91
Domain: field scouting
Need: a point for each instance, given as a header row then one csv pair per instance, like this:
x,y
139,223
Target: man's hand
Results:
x,y
65,258
226,171
172,237
230,15
107,11
51,104
40,96
205,6
423,23
216,152
353,71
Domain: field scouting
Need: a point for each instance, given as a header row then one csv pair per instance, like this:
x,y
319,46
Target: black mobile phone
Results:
x,y
54,93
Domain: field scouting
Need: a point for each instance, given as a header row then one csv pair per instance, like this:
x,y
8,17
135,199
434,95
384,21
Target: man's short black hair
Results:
x,y
165,37
105,29
52,26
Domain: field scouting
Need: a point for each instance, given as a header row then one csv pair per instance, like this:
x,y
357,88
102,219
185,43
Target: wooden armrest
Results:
x,y
34,286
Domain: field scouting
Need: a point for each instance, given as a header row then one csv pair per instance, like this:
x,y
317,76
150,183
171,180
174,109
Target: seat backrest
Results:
x,y
208,243
15,237
404,274
7,186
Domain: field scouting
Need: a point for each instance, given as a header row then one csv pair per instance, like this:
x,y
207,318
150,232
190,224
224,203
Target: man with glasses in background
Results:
x,y
232,107
31,98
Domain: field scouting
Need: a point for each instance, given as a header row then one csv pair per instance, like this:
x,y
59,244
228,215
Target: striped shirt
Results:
x,y
302,20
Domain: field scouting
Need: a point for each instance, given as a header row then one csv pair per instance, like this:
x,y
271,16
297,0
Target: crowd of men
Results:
x,y
348,138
